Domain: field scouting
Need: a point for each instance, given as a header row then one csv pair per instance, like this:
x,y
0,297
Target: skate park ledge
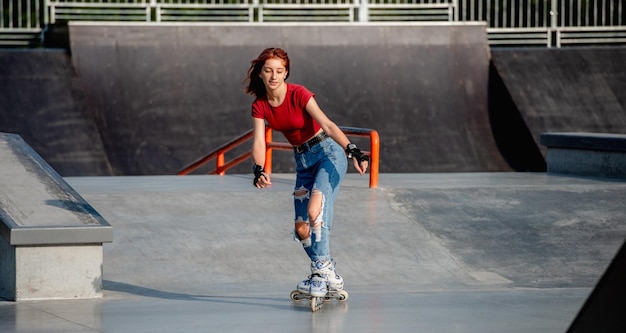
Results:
x,y
51,238
601,155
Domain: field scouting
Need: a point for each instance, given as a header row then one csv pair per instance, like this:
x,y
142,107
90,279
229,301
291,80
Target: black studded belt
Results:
x,y
307,145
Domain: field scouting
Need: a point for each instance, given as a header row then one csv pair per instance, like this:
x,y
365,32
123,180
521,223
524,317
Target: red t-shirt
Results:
x,y
291,117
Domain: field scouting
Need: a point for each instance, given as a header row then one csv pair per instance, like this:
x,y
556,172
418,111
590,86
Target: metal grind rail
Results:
x,y
221,165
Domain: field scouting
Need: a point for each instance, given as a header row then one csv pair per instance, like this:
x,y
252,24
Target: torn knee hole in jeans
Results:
x,y
317,222
301,193
302,232
302,229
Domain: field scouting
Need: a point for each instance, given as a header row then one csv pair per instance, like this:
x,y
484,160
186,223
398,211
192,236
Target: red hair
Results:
x,y
255,83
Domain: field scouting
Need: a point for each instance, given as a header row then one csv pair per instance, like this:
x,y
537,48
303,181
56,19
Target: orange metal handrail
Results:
x,y
219,155
221,166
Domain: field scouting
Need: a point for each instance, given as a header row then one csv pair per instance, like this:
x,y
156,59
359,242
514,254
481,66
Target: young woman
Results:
x,y
320,149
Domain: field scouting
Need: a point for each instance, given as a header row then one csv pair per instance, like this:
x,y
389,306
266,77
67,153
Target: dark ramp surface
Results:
x,y
164,95
40,101
563,90
148,99
471,252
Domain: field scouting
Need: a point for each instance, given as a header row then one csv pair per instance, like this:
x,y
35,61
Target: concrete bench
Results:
x,y
50,237
586,154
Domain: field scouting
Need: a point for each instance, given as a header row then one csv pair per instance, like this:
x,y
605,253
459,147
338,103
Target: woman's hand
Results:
x,y
261,179
360,166
361,161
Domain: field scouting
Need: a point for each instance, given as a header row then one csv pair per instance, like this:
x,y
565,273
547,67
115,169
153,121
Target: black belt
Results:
x,y
307,145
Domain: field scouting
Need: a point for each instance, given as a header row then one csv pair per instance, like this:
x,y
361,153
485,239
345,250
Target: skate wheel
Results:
x,y
316,303
342,296
296,296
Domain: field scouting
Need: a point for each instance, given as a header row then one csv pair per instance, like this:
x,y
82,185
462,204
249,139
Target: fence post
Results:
x,y
363,10
455,11
554,14
554,24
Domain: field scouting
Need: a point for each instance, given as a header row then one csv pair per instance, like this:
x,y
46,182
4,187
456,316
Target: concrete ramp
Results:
x,y
165,94
534,91
41,101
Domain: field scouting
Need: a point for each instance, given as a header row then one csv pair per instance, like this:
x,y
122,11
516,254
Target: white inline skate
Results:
x,y
323,284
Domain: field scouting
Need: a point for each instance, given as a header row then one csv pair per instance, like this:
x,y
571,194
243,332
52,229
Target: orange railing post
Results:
x,y
221,166
268,150
374,157
374,152
219,162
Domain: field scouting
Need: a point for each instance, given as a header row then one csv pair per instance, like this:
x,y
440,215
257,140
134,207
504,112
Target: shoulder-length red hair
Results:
x,y
255,83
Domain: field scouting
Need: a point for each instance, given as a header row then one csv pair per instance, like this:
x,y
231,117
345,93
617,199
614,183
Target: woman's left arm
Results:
x,y
332,130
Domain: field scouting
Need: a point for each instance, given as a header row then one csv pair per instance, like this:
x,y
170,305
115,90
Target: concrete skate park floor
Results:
x,y
472,252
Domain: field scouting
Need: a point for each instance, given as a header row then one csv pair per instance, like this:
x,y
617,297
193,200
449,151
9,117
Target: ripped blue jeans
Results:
x,y
321,168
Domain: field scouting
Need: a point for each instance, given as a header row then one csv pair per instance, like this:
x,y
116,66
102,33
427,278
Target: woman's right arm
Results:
x,y
258,145
258,152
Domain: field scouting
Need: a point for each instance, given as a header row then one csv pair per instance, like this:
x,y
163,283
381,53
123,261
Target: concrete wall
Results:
x,y
50,272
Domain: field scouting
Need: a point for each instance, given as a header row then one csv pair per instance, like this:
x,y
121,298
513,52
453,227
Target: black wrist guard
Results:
x,y
258,171
353,151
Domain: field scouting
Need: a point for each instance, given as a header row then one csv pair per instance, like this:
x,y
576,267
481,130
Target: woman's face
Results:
x,y
273,73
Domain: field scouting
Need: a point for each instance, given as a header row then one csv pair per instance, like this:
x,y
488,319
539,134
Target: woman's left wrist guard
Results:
x,y
353,151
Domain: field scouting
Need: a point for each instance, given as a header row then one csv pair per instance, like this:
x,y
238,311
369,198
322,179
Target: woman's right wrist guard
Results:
x,y
258,171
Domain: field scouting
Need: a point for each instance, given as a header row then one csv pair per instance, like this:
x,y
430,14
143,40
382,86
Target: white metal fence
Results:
x,y
21,22
548,23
